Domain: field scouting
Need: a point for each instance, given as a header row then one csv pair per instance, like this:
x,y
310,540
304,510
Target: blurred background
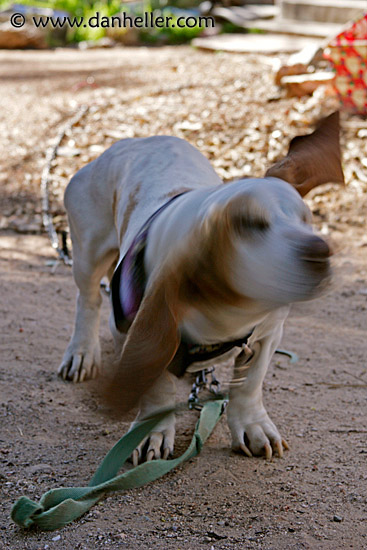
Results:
x,y
238,88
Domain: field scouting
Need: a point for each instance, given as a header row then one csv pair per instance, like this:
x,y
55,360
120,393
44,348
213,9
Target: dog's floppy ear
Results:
x,y
205,262
150,346
312,159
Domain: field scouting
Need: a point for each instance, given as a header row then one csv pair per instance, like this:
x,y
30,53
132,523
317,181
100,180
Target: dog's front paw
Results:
x,y
253,433
80,363
159,444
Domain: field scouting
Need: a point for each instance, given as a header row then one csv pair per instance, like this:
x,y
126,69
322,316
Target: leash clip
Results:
x,y
201,382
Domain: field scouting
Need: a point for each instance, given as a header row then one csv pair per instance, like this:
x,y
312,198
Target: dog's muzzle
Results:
x,y
315,252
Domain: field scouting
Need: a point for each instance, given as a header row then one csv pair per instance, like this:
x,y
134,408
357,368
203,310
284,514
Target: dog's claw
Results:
x,y
245,450
135,457
78,366
279,448
153,447
76,377
285,445
254,432
150,455
268,451
159,443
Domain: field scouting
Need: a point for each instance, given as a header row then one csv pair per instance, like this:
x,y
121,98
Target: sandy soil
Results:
x,y
54,433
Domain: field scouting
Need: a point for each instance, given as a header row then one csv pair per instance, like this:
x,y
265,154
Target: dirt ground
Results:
x,y
55,433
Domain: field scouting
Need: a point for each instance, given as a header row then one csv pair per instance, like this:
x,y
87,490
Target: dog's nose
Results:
x,y
315,249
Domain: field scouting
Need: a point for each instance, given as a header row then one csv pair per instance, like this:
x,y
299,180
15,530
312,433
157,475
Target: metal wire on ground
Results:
x,y
51,154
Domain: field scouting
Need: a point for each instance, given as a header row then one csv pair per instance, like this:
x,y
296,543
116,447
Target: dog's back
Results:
x,y
138,175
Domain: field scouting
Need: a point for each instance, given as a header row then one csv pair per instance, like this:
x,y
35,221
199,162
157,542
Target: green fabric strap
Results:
x,y
60,506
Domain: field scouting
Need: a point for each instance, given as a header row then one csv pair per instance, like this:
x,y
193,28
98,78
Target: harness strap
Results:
x,y
129,279
198,353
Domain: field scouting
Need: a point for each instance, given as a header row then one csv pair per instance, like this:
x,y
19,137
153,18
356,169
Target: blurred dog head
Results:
x,y
252,242
269,252
255,241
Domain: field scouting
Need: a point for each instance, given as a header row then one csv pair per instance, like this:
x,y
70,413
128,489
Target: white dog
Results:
x,y
198,263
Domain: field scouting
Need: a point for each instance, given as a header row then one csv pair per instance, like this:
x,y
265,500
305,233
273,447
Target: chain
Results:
x,y
62,250
203,382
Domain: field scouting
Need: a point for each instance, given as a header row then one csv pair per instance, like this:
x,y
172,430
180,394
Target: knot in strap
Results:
x,y
24,511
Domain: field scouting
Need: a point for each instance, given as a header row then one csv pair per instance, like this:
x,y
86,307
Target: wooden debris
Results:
x,y
299,62
299,85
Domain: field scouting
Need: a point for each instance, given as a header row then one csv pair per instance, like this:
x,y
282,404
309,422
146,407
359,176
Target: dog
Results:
x,y
194,264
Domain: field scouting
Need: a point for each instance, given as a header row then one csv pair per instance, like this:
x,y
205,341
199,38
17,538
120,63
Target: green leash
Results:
x,y
60,506
293,357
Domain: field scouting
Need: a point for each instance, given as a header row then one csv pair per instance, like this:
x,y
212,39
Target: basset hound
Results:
x,y
194,264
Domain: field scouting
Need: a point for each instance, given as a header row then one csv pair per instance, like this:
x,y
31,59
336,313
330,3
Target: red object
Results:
x,y
348,53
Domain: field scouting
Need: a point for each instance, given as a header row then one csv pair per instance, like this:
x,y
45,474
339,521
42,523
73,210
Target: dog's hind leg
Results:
x,y
95,249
